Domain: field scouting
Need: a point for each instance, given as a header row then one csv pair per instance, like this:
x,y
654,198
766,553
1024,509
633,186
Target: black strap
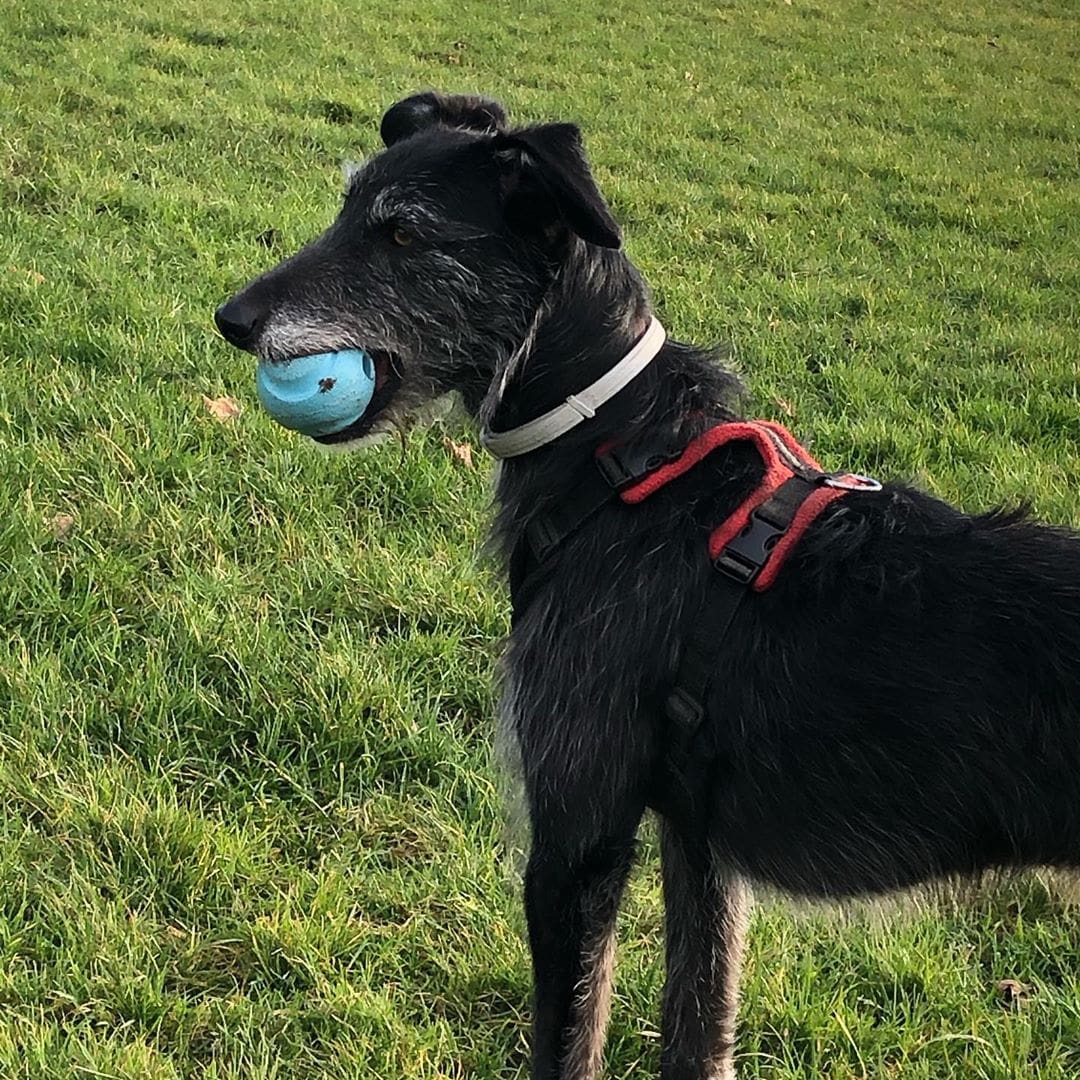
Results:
x,y
736,568
682,775
685,705
616,468
544,533
547,530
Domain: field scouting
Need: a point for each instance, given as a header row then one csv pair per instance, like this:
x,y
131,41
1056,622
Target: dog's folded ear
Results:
x,y
421,111
551,173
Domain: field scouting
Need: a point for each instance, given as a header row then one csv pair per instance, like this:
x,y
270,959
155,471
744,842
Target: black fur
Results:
x,y
902,706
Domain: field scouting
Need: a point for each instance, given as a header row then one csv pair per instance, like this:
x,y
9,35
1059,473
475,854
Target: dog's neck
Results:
x,y
589,321
593,310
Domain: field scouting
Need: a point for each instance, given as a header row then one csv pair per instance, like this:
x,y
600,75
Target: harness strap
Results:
x,y
737,564
546,531
808,510
747,541
617,465
685,704
747,550
777,446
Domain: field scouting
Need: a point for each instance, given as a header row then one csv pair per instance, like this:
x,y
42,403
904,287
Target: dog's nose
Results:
x,y
238,322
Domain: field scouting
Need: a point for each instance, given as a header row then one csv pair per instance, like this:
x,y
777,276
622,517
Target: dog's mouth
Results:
x,y
387,384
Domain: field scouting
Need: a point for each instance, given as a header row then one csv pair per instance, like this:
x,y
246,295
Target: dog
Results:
x,y
901,706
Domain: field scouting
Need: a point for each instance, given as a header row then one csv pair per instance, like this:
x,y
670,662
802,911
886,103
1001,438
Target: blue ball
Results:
x,y
317,395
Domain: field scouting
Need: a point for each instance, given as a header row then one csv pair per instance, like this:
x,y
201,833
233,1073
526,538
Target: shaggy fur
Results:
x,y
901,706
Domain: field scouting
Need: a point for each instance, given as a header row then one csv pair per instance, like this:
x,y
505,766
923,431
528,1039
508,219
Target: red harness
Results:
x,y
748,549
785,460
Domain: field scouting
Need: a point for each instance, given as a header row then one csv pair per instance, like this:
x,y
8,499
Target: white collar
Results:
x,y
577,407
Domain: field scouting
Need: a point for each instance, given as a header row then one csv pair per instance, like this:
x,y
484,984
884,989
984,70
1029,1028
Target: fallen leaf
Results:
x,y
222,409
459,451
1013,992
785,406
62,524
33,275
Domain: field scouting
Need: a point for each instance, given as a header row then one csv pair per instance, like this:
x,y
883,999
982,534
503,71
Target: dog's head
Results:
x,y
439,258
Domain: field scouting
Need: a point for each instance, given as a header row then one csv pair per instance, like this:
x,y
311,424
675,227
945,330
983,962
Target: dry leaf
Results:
x,y
62,524
222,409
460,451
33,275
1013,992
785,406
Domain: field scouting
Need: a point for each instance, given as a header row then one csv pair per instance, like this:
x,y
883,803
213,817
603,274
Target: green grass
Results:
x,y
250,827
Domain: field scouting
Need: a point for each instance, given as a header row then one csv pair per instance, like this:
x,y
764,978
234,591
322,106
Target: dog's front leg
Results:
x,y
705,925
574,882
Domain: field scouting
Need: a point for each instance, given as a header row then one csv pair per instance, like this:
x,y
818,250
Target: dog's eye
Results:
x,y
401,237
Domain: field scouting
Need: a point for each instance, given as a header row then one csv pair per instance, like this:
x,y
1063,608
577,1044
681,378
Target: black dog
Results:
x,y
902,705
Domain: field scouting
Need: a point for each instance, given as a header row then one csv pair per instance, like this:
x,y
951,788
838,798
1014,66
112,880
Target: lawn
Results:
x,y
249,823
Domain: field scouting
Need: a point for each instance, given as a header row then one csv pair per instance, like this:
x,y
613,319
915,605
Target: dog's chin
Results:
x,y
378,419
387,424
379,433
376,427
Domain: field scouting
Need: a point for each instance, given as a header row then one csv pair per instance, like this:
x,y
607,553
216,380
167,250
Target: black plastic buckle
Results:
x,y
684,709
744,557
543,536
623,465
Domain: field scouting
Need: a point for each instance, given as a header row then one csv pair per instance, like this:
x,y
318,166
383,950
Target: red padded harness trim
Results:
x,y
806,515
784,458
700,448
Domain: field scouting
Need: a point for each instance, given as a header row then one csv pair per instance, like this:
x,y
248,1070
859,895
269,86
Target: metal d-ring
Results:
x,y
853,482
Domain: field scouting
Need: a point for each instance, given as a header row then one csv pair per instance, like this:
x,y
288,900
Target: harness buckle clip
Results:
x,y
624,465
543,537
684,709
744,557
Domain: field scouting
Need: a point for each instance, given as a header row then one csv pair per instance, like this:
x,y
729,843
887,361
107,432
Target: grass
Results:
x,y
249,826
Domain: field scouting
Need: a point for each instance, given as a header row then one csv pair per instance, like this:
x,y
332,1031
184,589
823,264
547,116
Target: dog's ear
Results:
x,y
549,166
422,111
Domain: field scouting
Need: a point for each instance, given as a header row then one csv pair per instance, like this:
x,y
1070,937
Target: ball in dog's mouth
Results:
x,y
387,384
326,396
